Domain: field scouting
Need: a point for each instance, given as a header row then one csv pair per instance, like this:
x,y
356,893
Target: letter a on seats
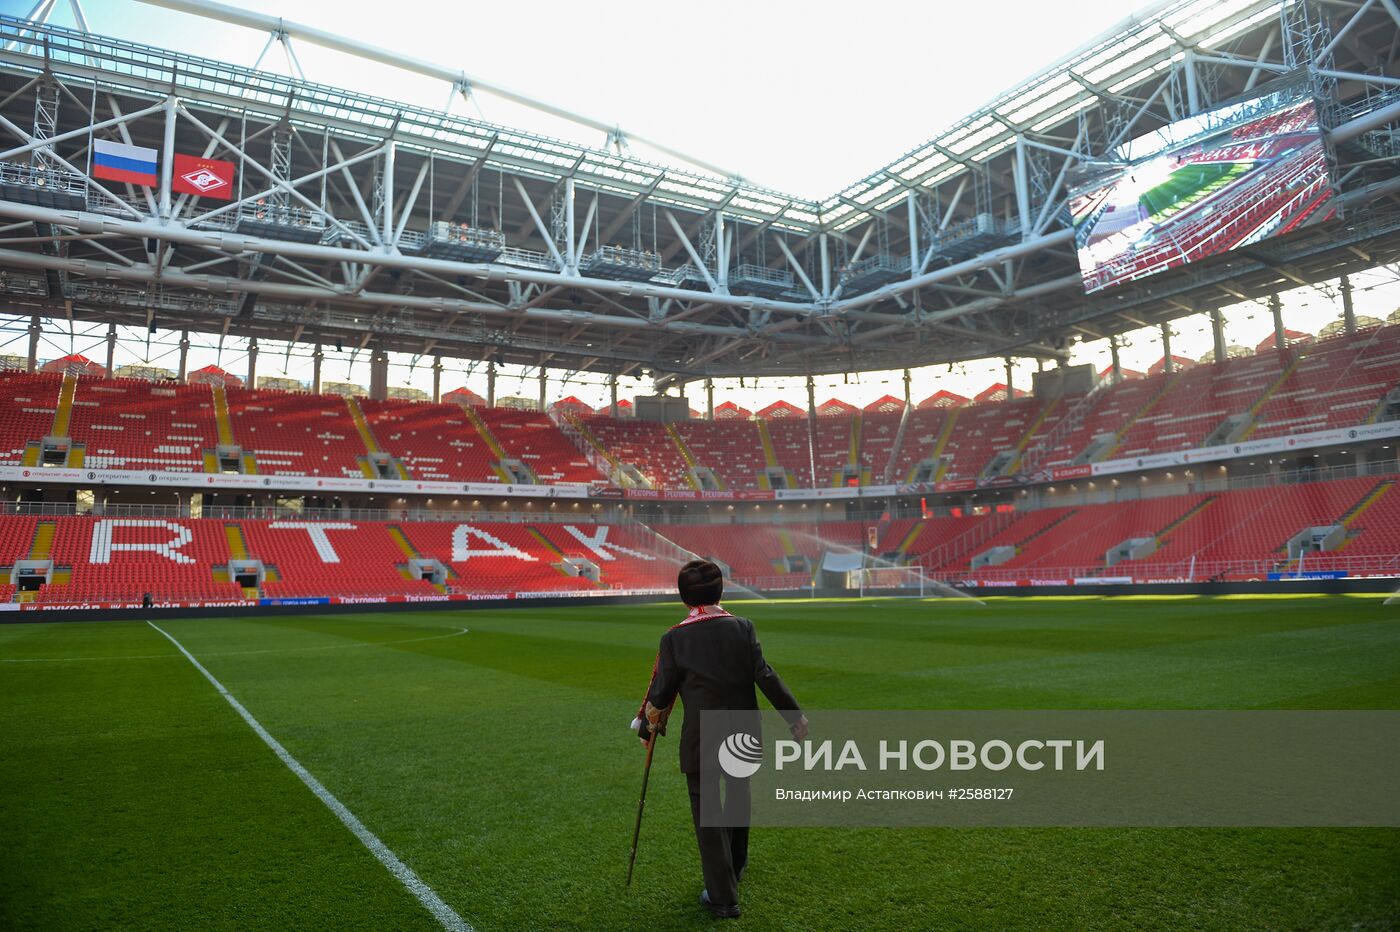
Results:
x,y
462,549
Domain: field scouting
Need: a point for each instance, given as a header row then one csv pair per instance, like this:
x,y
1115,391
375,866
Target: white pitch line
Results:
x,y
456,632
425,894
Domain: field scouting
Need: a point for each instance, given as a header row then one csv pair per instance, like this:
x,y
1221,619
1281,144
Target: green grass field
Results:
x,y
497,765
1188,185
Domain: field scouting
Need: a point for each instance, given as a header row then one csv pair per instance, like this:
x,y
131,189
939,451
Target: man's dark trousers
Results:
x,y
724,851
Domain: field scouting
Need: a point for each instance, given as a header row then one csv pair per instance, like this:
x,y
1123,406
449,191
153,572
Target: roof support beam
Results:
x,y
276,24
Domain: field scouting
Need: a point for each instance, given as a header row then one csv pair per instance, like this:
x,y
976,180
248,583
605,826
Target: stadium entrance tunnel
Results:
x,y
428,570
581,566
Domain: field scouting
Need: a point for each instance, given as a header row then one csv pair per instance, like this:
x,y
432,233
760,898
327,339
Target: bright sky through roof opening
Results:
x,y
805,98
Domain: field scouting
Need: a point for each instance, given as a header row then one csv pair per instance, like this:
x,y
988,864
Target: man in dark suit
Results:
x,y
712,660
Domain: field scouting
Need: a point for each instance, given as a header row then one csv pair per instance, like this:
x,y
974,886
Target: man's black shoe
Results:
x,y
719,912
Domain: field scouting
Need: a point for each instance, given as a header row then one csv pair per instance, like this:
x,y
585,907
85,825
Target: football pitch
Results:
x,y
1188,185
488,751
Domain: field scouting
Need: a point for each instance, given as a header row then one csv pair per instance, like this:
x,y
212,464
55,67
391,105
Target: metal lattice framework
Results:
x,y
392,227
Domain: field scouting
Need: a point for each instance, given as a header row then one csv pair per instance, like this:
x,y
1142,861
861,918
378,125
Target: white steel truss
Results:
x,y
398,227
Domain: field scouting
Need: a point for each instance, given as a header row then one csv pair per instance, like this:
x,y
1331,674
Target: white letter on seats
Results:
x,y
316,530
462,549
102,546
598,543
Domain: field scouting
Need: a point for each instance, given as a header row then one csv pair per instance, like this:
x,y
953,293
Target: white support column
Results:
x,y
709,399
437,379
1217,327
387,233
35,330
184,356
583,232
1348,309
1010,370
570,242
721,252
111,348
167,158
912,201
544,384
908,380
1168,365
826,266
1116,373
1193,88
1276,308
612,391
491,385
1023,187
316,357
252,363
378,375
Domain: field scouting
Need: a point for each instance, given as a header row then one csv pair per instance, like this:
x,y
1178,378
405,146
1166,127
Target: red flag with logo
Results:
x,y
203,177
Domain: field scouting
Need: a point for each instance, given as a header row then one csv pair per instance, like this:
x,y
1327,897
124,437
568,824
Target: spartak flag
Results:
x,y
202,177
115,161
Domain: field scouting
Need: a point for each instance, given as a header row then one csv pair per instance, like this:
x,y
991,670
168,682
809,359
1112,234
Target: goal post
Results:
x,y
908,581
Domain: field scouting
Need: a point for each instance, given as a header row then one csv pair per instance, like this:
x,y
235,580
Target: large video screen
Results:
x,y
1203,186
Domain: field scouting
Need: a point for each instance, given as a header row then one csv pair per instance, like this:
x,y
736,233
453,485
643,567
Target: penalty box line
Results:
x,y
405,875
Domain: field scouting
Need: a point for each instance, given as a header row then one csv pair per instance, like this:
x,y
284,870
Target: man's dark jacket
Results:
x,y
714,663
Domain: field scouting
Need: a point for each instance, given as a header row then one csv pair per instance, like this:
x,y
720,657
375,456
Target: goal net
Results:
x,y
907,581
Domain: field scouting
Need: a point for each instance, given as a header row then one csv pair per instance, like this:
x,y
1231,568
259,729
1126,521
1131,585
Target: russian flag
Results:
x,y
114,161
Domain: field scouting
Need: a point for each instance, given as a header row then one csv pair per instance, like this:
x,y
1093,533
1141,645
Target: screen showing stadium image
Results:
x,y
1199,187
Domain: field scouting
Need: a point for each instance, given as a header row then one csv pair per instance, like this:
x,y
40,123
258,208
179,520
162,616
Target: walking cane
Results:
x,y
641,804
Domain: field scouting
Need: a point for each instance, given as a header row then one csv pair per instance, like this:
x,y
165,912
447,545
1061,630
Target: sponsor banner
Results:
x,y
1072,472
1319,438
693,495
796,494
955,485
1103,580
323,600
285,483
70,606
212,178
1306,575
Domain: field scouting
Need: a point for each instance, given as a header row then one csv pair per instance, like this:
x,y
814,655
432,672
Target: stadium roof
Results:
x,y
392,227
